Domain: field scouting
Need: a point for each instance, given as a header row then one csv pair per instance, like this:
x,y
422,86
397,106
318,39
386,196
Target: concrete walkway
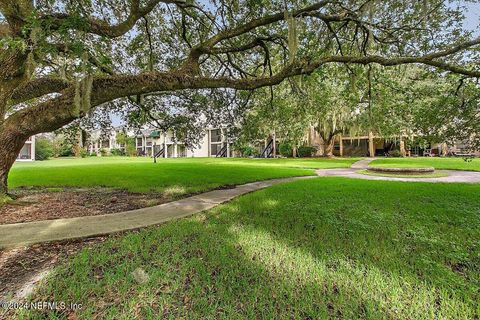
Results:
x,y
453,176
12,235
362,164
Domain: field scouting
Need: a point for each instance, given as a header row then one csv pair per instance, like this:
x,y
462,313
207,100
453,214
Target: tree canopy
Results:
x,y
62,58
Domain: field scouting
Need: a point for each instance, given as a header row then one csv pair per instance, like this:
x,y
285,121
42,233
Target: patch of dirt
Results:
x,y
22,267
34,204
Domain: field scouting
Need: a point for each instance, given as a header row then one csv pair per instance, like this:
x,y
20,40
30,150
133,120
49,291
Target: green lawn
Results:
x,y
325,247
171,176
437,163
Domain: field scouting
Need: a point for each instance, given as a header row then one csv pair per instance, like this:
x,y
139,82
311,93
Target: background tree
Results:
x,y
59,60
417,103
122,139
329,101
43,149
277,112
335,101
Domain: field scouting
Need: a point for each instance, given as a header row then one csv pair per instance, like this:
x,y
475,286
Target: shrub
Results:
x,y
104,152
246,151
395,154
116,152
84,153
43,149
285,150
130,147
66,150
306,151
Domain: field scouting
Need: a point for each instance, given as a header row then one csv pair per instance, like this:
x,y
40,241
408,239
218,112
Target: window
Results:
x,y
25,153
216,135
215,149
139,142
170,151
182,151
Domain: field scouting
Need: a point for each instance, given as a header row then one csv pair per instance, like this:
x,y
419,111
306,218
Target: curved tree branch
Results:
x,y
253,24
15,12
37,88
102,28
108,88
5,30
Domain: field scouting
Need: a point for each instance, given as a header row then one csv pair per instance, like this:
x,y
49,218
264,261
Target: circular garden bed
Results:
x,y
402,171
405,172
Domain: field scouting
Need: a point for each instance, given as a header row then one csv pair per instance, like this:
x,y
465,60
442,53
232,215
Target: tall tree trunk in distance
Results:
x,y
371,145
444,148
329,146
78,143
274,137
403,152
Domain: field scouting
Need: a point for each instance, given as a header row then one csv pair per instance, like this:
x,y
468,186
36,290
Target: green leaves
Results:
x,y
13,43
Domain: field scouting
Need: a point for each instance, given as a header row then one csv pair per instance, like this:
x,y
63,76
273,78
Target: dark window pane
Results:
x,y
216,135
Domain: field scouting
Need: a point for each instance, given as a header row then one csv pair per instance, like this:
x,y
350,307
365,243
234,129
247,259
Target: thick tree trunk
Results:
x,y
11,142
329,146
3,182
17,128
13,73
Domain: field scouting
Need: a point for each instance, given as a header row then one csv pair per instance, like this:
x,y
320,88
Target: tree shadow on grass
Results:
x,y
324,255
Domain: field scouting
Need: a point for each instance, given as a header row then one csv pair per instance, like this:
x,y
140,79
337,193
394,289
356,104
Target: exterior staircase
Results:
x,y
268,151
222,153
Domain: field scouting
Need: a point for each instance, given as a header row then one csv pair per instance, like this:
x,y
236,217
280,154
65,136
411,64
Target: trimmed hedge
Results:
x,y
306,151
285,150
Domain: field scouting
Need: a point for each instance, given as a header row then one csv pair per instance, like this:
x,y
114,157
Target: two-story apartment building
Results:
x,y
214,143
96,141
165,144
150,142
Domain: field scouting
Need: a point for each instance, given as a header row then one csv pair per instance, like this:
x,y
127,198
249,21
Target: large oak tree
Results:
x,y
59,59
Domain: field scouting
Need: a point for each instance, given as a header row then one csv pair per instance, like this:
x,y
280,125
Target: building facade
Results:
x,y
371,145
98,141
213,143
28,150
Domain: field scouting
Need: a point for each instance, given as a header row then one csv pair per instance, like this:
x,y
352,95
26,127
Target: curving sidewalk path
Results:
x,y
19,234
453,176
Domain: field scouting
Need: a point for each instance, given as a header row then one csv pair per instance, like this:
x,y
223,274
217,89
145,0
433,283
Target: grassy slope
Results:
x,y
437,163
173,176
310,249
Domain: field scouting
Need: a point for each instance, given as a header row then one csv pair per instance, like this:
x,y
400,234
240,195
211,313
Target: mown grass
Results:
x,y
437,163
315,249
170,176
